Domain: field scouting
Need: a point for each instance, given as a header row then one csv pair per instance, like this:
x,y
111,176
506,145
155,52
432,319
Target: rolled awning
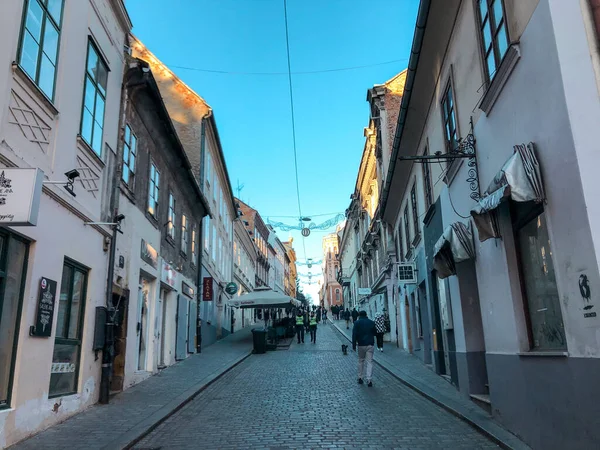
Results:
x,y
454,245
520,179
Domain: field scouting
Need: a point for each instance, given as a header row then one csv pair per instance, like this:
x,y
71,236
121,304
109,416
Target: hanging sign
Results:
x,y
231,288
187,289
20,193
306,232
207,289
45,309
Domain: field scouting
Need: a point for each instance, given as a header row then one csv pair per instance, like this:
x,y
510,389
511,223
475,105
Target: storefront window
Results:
x,y
67,345
13,266
539,282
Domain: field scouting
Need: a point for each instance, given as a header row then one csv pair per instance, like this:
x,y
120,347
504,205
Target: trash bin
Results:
x,y
259,337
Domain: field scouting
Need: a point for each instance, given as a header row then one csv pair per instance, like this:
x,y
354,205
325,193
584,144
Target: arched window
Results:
x,y
337,295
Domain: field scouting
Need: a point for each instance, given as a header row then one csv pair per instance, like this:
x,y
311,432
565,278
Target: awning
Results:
x,y
263,298
454,246
520,179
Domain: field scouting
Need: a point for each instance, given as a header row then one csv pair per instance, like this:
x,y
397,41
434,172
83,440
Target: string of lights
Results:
x,y
330,223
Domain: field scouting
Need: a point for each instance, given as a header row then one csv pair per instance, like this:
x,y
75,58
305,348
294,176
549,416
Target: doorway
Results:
x,y
142,323
120,302
161,319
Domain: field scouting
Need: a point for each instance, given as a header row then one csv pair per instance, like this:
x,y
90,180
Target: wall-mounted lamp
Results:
x,y
70,183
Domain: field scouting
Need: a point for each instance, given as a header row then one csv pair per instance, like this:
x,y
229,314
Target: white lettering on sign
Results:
x,y
62,368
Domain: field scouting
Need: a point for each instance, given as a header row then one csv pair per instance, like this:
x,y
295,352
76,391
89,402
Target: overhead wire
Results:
x,y
303,72
289,72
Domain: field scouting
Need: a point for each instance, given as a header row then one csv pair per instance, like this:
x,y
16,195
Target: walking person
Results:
x,y
300,326
324,316
313,328
354,315
380,330
347,318
363,337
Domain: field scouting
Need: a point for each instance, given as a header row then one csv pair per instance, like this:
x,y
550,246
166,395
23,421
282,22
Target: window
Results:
x,y
449,120
129,155
94,97
337,295
406,229
69,327
195,245
184,233
539,281
427,182
205,231
413,204
172,218
208,168
153,188
40,36
494,35
213,243
13,270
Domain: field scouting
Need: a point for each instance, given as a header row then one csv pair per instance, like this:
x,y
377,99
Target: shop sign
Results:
x,y
207,289
149,254
187,289
45,309
231,288
168,274
364,291
62,367
20,193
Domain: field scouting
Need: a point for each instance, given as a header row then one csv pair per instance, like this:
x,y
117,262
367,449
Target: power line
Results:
x,y
289,65
303,72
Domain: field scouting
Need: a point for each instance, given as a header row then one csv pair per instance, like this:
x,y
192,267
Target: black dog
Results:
x,y
344,349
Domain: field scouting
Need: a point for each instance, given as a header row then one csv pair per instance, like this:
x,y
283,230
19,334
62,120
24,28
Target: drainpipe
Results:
x,y
415,53
200,283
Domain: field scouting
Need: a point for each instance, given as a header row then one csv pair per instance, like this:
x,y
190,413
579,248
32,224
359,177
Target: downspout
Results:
x,y
413,62
200,284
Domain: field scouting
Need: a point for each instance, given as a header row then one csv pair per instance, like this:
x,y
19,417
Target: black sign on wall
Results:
x,y
45,309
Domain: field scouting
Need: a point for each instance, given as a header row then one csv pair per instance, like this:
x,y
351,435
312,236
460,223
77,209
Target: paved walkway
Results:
x,y
413,373
132,413
308,398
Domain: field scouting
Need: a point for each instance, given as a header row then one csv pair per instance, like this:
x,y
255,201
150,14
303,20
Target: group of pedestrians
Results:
x,y
307,321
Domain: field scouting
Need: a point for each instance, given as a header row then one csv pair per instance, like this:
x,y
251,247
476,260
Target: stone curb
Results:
x,y
483,425
142,429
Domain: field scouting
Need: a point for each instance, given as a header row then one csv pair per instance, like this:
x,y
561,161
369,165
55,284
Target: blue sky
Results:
x,y
253,111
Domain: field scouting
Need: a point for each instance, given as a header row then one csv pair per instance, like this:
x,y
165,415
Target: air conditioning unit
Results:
x,y
407,273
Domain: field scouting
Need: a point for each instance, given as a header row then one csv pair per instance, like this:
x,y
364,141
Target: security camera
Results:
x,y
72,174
119,217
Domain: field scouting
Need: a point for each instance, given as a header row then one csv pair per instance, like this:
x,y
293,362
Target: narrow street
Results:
x,y
307,397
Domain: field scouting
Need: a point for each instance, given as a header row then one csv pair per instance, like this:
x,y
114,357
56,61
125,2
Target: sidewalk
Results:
x,y
138,410
413,373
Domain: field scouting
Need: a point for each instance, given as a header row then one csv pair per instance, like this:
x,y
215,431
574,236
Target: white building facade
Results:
x,y
511,89
60,92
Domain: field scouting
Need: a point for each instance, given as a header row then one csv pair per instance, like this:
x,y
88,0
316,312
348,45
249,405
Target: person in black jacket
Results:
x,y
347,318
363,336
354,315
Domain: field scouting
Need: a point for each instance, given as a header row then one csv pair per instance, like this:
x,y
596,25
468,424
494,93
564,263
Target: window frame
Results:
x,y
406,229
127,147
414,209
7,235
96,48
446,113
494,47
171,216
23,30
151,181
427,185
519,221
184,234
75,266
195,244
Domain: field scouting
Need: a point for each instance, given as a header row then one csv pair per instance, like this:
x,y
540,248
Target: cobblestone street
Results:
x,y
307,397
